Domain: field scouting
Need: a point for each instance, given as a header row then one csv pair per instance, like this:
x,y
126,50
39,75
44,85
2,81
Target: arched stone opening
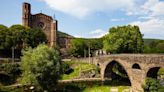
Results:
x,y
115,72
136,66
153,72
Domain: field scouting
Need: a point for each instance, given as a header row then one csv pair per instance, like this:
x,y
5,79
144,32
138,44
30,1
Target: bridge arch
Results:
x,y
136,66
153,72
109,65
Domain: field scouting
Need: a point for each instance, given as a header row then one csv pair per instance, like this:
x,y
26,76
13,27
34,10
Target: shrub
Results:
x,y
9,73
152,85
41,67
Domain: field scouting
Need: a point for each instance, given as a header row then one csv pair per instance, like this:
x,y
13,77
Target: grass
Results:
x,y
11,89
121,88
78,68
97,89
104,88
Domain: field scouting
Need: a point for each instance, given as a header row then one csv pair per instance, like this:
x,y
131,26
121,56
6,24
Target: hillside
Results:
x,y
148,41
62,34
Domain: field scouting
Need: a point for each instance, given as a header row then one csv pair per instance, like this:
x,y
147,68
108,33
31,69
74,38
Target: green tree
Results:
x,y
34,37
160,47
22,36
154,46
3,31
123,39
41,67
17,37
18,34
78,47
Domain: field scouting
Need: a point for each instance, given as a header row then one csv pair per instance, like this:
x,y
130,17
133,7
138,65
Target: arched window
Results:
x,y
136,66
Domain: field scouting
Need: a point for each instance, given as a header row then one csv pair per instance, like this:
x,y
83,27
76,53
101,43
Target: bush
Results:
x,y
152,85
161,71
9,72
41,67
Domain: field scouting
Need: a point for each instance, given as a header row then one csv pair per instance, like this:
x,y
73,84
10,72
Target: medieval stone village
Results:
x,y
36,57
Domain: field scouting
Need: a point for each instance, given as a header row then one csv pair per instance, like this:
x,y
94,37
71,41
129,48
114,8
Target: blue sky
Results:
x,y
92,18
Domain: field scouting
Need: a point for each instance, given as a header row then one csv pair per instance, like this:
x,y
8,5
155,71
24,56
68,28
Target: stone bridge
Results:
x,y
137,67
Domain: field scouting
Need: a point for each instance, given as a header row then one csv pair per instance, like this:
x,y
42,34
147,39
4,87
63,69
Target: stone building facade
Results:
x,y
46,23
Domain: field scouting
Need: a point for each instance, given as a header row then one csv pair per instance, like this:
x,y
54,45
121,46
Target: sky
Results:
x,y
92,18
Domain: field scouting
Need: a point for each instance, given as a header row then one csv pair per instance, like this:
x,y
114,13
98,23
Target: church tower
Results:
x,y
42,21
26,14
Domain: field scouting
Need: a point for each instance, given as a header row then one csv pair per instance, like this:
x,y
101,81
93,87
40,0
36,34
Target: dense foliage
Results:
x,y
18,37
152,85
41,67
9,73
123,39
153,46
80,47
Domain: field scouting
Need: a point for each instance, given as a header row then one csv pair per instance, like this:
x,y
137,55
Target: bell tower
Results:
x,y
26,14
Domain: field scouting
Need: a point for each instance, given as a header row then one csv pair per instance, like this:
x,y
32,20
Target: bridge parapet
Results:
x,y
139,58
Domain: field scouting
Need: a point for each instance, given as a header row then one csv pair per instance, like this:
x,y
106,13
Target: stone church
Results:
x,y
46,23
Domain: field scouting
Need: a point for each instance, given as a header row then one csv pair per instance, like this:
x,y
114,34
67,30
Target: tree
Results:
x,y
3,31
160,47
26,36
78,47
154,46
123,39
18,37
41,67
34,37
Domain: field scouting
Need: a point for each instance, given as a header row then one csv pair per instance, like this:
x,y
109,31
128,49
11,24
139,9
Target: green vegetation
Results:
x,y
152,85
92,86
11,89
153,46
70,88
124,39
78,68
62,34
105,88
80,46
97,89
41,67
9,73
19,37
119,70
161,71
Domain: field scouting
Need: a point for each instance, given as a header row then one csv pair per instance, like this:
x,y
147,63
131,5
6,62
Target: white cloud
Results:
x,y
158,9
152,27
97,33
78,36
82,8
150,13
117,20
149,8
151,18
